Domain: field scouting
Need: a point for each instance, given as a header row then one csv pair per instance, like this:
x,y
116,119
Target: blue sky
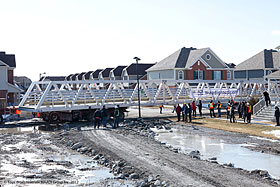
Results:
x,y
60,37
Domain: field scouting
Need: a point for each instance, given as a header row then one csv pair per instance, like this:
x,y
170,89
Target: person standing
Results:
x,y
186,111
277,115
219,107
178,112
266,98
228,111
242,108
239,109
160,109
200,107
183,111
194,108
174,108
245,112
232,115
190,112
97,118
211,108
104,116
249,112
116,117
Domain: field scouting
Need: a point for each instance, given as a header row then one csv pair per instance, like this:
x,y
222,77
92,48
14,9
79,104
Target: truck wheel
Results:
x,y
54,117
121,116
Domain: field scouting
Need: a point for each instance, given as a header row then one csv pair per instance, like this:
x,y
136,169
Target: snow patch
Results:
x,y
276,133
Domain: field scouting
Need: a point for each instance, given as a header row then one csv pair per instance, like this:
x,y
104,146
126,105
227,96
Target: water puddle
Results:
x,y
209,147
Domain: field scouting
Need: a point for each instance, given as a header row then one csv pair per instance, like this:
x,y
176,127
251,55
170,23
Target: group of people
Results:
x,y
188,111
102,116
245,111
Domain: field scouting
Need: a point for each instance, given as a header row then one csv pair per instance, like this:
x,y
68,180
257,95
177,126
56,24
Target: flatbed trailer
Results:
x,y
75,100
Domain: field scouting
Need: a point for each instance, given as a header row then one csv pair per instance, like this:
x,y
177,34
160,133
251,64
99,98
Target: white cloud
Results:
x,y
275,32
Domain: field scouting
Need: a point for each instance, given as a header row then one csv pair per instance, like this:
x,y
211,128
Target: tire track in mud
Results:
x,y
180,170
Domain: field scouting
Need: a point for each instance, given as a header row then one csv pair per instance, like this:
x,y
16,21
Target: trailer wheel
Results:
x,y
54,117
121,116
1,119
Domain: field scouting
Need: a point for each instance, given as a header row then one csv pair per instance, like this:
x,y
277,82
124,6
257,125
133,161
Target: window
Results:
x,y
228,75
217,75
208,57
198,75
125,77
180,75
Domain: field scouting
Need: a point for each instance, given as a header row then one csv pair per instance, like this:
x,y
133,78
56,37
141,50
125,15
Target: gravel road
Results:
x,y
152,158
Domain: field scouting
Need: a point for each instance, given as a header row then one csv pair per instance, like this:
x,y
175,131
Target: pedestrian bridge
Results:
x,y
47,96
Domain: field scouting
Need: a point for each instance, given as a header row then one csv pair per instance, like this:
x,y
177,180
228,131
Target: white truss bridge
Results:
x,y
48,96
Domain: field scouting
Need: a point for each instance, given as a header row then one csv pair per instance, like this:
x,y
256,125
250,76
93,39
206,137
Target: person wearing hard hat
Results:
x,y
211,108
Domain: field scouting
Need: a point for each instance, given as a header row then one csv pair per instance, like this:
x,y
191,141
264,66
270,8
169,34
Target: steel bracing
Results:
x,y
46,96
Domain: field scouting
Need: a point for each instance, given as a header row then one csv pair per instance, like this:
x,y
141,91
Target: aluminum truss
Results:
x,y
78,95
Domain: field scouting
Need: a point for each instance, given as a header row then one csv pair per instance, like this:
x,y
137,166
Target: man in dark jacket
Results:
x,y
104,116
200,107
190,112
232,114
178,112
266,98
245,112
277,115
97,118
116,117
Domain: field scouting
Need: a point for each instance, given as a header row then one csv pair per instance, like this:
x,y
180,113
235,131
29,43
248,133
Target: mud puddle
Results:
x,y
34,159
225,153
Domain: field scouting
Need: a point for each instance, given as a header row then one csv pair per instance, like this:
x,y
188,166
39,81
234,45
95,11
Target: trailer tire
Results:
x,y
54,117
121,116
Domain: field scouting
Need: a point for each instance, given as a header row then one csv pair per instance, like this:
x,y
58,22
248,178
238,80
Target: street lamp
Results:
x,y
139,110
40,75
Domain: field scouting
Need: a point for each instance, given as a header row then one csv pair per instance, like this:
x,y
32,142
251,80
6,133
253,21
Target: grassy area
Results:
x,y
252,129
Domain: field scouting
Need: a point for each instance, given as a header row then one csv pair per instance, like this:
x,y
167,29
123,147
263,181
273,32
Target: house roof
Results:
x,y
68,78
87,75
8,59
96,73
80,76
131,69
74,76
183,58
264,59
52,78
274,75
106,72
118,70
230,65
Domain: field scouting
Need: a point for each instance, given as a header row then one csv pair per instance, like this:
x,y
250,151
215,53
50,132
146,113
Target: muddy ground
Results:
x,y
134,145
127,156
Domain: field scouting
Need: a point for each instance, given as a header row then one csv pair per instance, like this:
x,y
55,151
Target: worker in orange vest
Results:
x,y
219,107
211,108
160,109
249,113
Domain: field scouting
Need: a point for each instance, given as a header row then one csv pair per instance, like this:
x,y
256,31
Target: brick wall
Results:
x,y
11,76
207,73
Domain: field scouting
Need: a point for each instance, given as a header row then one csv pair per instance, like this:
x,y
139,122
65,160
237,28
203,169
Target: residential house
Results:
x,y
52,78
80,76
23,82
9,92
116,73
86,76
130,73
190,64
258,66
104,74
94,75
69,77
